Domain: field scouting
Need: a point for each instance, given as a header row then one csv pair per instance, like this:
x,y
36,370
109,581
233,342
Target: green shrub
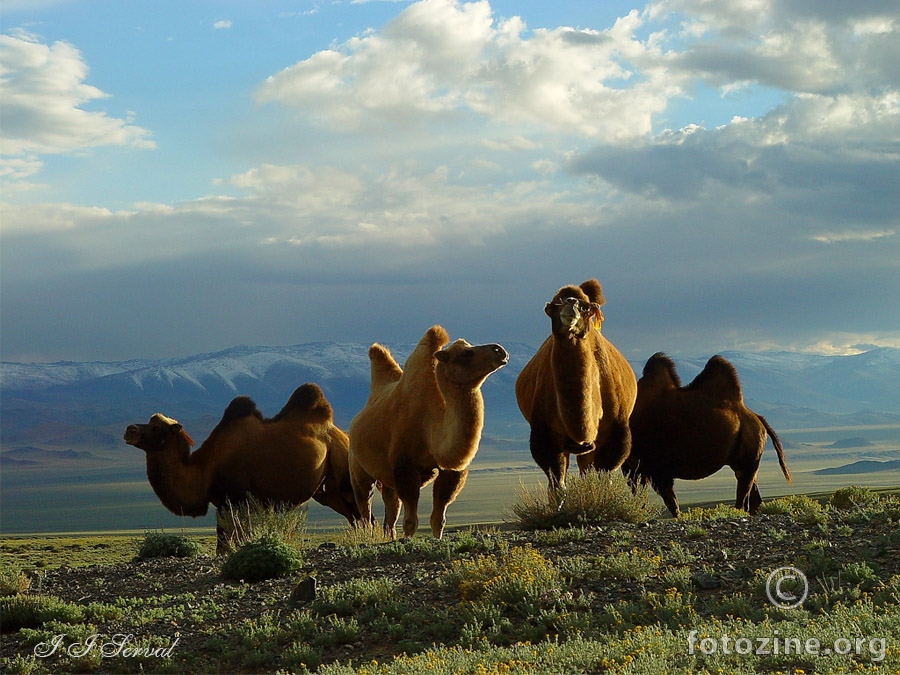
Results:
x,y
346,598
802,508
158,544
718,512
858,574
518,575
31,611
267,558
13,581
252,519
559,536
594,497
853,497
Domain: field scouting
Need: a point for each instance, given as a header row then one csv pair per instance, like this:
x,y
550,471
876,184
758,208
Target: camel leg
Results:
x,y
363,491
613,450
552,461
446,488
755,499
745,482
408,484
665,487
585,461
223,536
391,511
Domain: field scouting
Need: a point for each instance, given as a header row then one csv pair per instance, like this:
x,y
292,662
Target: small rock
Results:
x,y
706,581
305,591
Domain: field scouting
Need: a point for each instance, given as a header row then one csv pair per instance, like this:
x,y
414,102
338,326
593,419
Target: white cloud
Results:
x,y
222,24
443,57
43,91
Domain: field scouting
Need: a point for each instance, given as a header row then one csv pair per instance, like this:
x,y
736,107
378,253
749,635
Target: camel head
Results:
x,y
465,364
575,310
160,433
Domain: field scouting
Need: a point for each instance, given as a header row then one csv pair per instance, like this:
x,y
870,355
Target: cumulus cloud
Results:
x,y
444,57
458,165
44,92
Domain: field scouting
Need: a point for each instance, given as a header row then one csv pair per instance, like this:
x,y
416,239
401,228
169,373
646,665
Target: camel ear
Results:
x,y
442,355
548,309
592,289
180,430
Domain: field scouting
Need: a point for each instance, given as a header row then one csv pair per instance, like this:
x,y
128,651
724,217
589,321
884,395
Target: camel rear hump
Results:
x,y
307,402
719,380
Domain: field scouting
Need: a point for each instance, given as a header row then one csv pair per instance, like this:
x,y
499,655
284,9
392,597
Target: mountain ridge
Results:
x,y
49,405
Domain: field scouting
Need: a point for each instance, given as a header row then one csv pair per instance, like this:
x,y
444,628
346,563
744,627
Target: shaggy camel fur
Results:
x,y
296,455
691,432
577,391
420,424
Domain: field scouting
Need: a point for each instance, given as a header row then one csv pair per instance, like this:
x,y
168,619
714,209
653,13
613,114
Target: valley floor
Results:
x,y
662,596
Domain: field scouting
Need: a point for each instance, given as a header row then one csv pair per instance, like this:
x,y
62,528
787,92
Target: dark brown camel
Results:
x,y
690,432
577,391
297,455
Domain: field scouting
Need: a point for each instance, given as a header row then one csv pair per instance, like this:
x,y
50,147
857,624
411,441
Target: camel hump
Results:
x,y
239,408
435,338
384,369
593,291
660,369
719,379
309,401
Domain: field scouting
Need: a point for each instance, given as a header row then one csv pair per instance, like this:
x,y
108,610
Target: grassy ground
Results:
x,y
676,596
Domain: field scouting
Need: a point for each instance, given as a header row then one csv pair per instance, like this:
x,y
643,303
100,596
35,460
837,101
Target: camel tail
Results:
x,y
777,443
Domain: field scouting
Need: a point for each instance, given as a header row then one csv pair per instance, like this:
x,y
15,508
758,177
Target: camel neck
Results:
x,y
577,380
458,431
179,483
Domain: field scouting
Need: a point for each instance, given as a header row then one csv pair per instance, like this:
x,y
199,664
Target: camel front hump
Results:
x,y
577,391
690,432
421,423
286,459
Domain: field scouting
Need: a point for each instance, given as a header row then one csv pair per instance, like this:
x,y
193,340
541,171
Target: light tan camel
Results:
x,y
421,423
297,455
577,391
691,432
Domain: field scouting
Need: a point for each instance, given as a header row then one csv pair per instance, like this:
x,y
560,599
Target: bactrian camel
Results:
x,y
690,432
577,391
297,455
421,423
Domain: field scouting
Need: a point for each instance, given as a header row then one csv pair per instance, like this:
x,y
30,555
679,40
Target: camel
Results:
x,y
297,455
577,391
421,423
690,432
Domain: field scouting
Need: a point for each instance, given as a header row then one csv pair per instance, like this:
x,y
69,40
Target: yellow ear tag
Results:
x,y
595,322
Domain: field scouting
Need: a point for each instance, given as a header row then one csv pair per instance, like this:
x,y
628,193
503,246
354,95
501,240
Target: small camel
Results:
x,y
690,432
577,391
421,423
297,455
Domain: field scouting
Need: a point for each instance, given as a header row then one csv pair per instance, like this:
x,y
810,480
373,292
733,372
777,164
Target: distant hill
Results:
x,y
855,442
30,455
862,466
87,405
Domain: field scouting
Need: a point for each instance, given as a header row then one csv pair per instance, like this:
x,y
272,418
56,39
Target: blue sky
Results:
x,y
182,177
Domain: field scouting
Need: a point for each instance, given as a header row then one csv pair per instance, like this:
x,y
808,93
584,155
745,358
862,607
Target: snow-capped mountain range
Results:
x,y
79,404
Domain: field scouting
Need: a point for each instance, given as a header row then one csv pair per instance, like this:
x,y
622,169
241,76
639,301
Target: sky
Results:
x,y
180,177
